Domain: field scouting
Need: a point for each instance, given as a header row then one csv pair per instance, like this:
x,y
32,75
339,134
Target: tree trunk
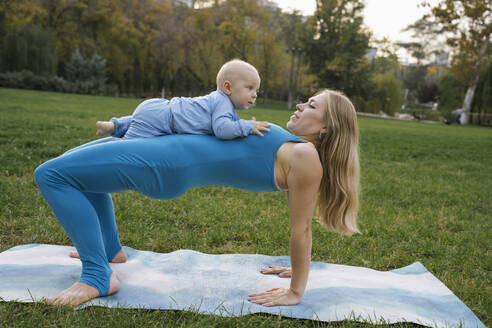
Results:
x,y
296,75
470,92
289,100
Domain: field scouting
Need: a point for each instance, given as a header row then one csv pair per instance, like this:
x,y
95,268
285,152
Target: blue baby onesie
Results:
x,y
212,114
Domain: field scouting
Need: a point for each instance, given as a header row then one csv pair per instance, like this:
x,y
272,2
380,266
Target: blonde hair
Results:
x,y
233,69
338,200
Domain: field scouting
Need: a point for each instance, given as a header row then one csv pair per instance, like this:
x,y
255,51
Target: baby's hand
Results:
x,y
259,126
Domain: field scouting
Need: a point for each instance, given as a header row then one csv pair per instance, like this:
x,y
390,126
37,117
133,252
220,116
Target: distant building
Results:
x,y
269,4
371,54
187,3
403,61
441,58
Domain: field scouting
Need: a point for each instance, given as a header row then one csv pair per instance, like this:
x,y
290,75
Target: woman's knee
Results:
x,y
44,174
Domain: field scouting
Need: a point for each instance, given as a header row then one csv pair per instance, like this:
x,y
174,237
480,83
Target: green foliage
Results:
x,y
383,65
29,48
86,75
427,33
421,86
413,77
336,54
77,68
150,46
295,30
451,93
427,90
425,197
468,27
482,102
28,80
387,96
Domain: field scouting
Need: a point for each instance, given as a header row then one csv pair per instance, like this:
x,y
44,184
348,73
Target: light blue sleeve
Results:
x,y
226,124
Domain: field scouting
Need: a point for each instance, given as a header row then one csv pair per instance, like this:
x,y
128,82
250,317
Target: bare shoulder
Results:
x,y
305,162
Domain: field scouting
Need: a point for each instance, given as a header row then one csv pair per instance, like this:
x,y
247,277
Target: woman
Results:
x,y
317,164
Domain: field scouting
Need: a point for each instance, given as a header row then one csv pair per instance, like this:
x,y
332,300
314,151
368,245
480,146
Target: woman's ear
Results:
x,y
323,130
227,87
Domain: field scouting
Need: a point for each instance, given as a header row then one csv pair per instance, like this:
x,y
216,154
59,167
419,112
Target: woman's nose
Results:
x,y
299,107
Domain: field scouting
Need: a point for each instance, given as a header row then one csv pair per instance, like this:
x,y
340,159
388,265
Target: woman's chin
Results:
x,y
289,125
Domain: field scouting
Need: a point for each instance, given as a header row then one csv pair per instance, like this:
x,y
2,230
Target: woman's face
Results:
x,y
308,119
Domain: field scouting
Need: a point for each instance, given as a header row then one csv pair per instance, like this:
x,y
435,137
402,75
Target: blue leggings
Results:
x,y
86,214
77,186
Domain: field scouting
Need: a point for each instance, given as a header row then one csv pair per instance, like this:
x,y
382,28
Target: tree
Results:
x,y
336,51
86,75
427,32
295,30
148,45
482,102
387,96
468,24
451,92
427,90
239,28
31,48
77,68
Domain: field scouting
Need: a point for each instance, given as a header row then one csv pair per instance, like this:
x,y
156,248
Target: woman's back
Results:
x,y
193,161
166,167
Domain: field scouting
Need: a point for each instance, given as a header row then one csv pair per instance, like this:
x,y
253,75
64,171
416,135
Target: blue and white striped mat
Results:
x,y
220,284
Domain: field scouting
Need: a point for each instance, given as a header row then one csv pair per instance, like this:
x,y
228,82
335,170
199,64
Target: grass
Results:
x,y
426,196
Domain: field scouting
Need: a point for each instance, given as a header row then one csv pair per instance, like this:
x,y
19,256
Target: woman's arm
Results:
x,y
303,181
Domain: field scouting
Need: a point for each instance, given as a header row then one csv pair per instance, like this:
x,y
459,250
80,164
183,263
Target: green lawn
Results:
x,y
426,196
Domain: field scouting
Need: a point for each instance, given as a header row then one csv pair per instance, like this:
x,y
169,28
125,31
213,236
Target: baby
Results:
x,y
213,114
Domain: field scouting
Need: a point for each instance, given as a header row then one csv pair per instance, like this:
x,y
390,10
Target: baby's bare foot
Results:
x,y
120,257
80,293
103,128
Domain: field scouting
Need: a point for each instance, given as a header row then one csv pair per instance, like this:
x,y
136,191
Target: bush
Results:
x,y
59,84
32,81
29,80
11,80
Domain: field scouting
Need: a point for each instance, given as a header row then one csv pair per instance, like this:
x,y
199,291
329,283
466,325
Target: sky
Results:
x,y
383,17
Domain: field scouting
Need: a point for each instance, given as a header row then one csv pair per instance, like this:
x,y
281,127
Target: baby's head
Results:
x,y
239,81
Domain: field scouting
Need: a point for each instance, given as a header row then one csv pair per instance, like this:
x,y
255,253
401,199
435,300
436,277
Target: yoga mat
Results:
x,y
219,284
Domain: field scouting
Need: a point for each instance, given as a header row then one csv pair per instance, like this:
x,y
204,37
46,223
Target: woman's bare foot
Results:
x,y
80,293
103,128
120,257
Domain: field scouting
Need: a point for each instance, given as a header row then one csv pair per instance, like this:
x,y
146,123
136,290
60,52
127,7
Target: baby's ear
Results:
x,y
227,87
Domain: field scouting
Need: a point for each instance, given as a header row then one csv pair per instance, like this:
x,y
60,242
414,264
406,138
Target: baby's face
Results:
x,y
244,88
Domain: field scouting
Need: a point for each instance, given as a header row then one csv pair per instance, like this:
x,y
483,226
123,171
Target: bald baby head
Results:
x,y
240,82
235,69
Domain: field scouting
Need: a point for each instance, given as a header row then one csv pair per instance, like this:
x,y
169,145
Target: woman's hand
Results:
x,y
283,272
275,296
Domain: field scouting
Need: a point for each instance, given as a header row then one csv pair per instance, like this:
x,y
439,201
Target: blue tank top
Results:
x,y
196,160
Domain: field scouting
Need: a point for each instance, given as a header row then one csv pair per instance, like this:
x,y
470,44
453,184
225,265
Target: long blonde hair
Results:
x,y
338,149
